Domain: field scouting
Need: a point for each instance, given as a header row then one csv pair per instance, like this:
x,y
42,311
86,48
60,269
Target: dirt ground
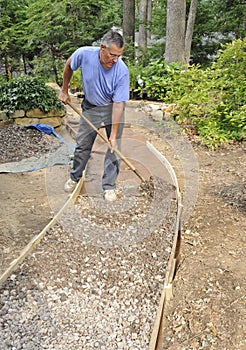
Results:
x,y
208,306
207,310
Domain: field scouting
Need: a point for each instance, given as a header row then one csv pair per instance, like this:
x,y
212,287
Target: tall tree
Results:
x,y
231,17
143,12
179,32
12,34
56,28
129,27
149,18
189,30
175,31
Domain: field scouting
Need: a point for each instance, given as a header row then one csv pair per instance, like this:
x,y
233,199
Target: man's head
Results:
x,y
112,47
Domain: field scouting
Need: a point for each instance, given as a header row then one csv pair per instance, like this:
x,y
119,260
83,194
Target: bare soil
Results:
x,y
207,310
208,306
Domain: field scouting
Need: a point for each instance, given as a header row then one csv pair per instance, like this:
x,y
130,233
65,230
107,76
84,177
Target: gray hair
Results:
x,y
113,37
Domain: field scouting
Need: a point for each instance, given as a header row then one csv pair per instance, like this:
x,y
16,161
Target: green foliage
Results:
x,y
210,100
2,79
75,82
27,93
69,24
217,22
50,69
134,68
134,74
12,34
216,105
156,79
36,34
230,17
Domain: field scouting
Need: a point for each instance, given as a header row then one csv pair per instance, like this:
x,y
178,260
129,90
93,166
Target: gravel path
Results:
x,y
68,295
95,280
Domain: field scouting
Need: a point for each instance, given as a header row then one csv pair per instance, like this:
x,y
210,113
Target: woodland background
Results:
x,y
173,51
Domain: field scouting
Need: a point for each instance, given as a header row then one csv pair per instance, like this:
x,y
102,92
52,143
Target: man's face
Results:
x,y
110,55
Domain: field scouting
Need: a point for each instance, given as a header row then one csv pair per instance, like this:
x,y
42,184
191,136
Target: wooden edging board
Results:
x,y
35,240
156,336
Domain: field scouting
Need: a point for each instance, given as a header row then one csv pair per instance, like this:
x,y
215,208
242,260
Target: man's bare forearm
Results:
x,y
67,75
117,112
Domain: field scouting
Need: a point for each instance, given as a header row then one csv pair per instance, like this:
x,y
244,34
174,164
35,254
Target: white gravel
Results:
x,y
70,295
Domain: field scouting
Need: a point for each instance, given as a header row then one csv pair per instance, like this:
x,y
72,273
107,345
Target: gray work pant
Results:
x,y
85,140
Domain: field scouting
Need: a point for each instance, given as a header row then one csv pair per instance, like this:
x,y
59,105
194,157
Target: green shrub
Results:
x,y
216,104
76,82
156,79
134,71
27,92
2,79
211,101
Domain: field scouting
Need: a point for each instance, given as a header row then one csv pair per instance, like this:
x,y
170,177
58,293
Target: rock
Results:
x,y
3,116
30,143
52,121
57,113
26,121
20,117
154,107
157,115
36,113
20,113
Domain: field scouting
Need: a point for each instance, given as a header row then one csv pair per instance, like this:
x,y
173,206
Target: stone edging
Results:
x,y
53,118
158,111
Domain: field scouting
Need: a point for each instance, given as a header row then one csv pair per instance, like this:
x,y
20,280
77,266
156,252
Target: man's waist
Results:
x,y
87,105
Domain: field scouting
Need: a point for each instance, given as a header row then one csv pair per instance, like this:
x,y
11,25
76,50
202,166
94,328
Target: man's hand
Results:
x,y
113,145
64,97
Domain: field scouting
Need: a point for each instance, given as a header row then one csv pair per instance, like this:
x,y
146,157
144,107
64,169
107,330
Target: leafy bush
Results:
x,y
212,100
216,104
27,92
156,78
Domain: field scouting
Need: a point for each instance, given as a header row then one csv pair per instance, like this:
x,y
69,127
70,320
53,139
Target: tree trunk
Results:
x,y
149,18
190,29
142,41
175,31
24,63
52,49
129,28
8,72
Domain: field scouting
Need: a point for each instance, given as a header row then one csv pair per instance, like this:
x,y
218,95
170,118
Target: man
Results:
x,y
105,80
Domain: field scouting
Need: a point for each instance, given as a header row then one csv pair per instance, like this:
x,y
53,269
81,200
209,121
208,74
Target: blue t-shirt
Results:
x,y
101,86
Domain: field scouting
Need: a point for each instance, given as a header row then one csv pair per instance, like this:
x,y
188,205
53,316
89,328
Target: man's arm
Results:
x,y
117,112
67,75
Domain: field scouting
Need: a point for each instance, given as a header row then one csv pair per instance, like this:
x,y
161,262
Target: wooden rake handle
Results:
x,y
128,163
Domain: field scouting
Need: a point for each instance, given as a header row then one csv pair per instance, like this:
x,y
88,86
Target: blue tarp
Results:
x,y
47,129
